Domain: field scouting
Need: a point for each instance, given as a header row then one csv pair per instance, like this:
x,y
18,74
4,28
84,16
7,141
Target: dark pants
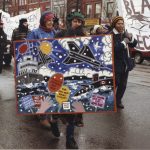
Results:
x,y
70,119
121,83
44,117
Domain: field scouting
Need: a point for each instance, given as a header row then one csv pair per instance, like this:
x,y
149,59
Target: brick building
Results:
x,y
94,9
74,5
16,7
4,5
59,8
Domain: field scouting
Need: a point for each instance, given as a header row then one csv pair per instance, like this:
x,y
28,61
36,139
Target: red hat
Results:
x,y
45,17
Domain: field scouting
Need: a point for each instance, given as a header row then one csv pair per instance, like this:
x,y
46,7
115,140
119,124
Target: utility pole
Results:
x,y
77,5
3,5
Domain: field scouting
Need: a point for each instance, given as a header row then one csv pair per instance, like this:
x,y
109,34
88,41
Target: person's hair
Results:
x,y
21,21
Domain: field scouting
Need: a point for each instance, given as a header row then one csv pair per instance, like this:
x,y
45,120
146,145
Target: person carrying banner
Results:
x,y
44,31
20,33
3,43
122,40
75,23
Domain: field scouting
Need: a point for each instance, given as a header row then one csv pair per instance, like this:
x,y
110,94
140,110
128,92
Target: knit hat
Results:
x,y
115,20
45,17
23,20
96,27
73,15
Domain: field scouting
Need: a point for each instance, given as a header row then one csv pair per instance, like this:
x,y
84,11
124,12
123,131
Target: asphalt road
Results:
x,y
128,128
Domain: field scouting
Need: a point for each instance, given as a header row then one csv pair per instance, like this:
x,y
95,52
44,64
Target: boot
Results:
x,y
55,129
70,141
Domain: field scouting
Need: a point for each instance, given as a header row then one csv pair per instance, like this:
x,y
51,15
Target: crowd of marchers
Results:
x,y
49,27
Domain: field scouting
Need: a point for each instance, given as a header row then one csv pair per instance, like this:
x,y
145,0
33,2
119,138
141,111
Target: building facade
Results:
x,y
4,5
92,8
109,10
74,5
59,9
17,7
102,9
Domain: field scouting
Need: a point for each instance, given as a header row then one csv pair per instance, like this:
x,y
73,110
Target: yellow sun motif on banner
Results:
x,y
45,47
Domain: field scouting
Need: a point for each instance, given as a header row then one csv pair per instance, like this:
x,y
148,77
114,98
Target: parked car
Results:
x,y
7,54
139,56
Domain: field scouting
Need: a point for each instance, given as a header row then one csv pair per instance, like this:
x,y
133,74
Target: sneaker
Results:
x,y
71,144
121,106
55,129
45,123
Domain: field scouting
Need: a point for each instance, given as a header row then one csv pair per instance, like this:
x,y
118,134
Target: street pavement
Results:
x,y
127,129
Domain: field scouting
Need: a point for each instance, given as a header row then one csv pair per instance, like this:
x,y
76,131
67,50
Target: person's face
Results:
x,y
76,23
49,24
25,24
120,26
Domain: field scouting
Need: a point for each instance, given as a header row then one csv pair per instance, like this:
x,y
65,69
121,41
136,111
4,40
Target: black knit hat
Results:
x,y
21,21
115,20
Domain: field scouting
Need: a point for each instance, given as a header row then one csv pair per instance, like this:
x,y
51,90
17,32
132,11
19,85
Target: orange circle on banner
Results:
x,y
23,48
55,82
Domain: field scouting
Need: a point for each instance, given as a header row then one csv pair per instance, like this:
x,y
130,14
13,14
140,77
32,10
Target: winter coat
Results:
x,y
70,33
40,34
121,52
3,41
18,35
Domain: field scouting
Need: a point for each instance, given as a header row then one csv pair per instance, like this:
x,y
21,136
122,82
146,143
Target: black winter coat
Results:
x,y
3,41
121,53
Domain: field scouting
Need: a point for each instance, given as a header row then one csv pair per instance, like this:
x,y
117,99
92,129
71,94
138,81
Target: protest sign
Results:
x,y
136,14
68,75
10,23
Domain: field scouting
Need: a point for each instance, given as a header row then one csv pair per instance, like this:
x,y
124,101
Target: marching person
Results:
x,y
75,23
20,33
45,31
3,43
122,40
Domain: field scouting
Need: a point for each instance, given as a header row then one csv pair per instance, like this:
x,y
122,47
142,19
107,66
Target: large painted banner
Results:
x,y
10,23
66,75
137,18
